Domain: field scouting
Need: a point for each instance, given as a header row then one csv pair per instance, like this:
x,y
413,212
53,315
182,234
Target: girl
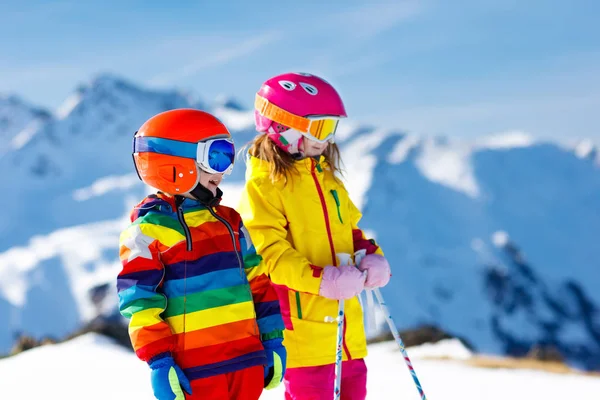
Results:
x,y
203,313
300,217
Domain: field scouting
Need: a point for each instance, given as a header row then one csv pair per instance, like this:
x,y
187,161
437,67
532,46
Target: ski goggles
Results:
x,y
215,156
320,128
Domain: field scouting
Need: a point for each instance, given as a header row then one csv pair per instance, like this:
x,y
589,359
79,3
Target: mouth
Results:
x,y
214,182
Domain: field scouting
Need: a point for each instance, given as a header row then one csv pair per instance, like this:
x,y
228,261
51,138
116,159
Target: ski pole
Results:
x,y
344,259
337,388
399,342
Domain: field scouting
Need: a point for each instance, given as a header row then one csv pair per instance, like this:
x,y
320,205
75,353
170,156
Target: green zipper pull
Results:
x,y
298,306
337,202
315,162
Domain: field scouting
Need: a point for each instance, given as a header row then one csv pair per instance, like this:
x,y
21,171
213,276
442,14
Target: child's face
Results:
x,y
210,181
310,148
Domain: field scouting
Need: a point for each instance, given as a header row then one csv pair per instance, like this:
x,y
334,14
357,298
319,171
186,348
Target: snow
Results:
x,y
360,162
235,119
400,152
18,122
86,255
585,148
93,367
500,238
448,165
26,134
346,129
231,193
506,140
447,348
69,105
105,185
449,162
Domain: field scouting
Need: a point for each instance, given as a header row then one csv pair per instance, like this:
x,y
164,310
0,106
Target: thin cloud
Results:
x,y
19,12
337,70
221,57
23,75
369,21
357,27
543,116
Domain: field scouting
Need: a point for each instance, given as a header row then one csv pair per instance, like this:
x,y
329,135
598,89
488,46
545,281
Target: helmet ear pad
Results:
x,y
285,138
170,174
262,123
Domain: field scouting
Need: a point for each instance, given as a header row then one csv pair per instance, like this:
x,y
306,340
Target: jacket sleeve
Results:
x,y
266,303
262,213
139,300
361,242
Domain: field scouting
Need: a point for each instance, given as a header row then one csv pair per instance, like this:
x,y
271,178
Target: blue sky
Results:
x,y
437,67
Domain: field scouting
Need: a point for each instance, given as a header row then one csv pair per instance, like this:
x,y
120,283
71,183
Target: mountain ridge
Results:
x,y
436,205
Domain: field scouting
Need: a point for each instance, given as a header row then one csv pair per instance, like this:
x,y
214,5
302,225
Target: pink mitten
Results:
x,y
378,270
343,282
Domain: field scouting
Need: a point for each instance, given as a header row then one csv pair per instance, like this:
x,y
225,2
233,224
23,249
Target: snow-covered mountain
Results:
x,y
89,139
493,240
18,121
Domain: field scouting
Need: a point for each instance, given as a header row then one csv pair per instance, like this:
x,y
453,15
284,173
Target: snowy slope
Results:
x,y
493,240
94,366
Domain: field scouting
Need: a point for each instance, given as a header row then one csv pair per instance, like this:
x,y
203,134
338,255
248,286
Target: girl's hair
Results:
x,y
282,162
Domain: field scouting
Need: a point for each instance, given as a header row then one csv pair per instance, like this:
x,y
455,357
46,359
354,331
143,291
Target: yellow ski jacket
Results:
x,y
298,227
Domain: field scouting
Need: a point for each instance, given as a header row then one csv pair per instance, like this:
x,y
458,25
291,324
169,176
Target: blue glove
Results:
x,y
168,378
276,356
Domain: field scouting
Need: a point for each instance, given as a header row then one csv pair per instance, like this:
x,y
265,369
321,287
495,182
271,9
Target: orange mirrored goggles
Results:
x,y
317,128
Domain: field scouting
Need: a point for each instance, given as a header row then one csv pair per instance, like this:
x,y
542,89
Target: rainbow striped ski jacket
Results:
x,y
193,285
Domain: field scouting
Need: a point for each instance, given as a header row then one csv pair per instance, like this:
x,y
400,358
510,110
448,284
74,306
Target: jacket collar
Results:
x,y
258,167
203,198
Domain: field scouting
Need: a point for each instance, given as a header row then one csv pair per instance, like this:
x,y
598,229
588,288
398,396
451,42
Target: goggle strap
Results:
x,y
279,115
143,144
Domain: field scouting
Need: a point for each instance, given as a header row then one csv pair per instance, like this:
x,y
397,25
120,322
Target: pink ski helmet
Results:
x,y
292,105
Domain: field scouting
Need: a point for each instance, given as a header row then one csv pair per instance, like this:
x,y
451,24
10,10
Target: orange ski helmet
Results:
x,y
169,148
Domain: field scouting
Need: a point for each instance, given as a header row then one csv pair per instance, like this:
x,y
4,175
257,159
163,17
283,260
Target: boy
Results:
x,y
203,313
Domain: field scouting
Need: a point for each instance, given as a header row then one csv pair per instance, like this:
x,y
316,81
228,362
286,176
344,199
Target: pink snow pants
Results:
x,y
316,383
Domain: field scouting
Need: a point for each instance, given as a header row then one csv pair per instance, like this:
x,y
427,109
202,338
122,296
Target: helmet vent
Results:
x,y
310,89
287,85
280,128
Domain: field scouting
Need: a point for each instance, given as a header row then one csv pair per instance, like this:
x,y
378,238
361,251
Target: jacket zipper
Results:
x,y
240,262
231,234
188,236
188,246
329,235
325,213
